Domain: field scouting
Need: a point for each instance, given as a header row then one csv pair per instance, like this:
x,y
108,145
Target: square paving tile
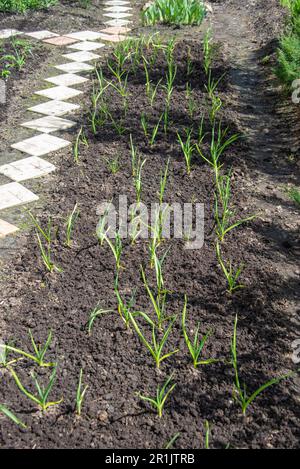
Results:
x,y
6,228
59,92
60,41
28,168
113,37
118,8
84,35
6,33
41,144
41,34
75,67
81,56
118,22
15,194
48,124
117,16
66,79
54,108
115,30
116,2
87,46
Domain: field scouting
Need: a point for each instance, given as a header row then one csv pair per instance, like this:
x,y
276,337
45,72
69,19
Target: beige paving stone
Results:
x,y
59,92
115,30
87,45
41,34
6,33
48,124
118,22
75,67
60,41
54,108
117,9
81,56
113,37
15,194
28,168
116,2
41,144
84,35
117,16
67,79
6,228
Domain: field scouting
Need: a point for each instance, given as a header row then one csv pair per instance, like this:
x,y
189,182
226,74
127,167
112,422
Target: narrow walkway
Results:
x,y
81,56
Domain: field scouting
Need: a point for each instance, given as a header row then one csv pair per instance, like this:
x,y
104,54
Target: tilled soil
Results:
x,y
116,365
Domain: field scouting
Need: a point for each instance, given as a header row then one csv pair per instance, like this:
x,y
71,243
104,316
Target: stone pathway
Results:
x,y
82,50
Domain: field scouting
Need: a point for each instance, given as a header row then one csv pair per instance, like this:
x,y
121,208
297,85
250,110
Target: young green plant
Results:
x,y
162,394
8,413
94,314
187,149
42,392
157,345
39,351
196,344
231,275
70,223
80,394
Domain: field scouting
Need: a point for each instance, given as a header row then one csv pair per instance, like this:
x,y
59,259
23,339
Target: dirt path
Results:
x,y
270,123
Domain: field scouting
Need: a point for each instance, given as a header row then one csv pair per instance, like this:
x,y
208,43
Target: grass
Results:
x,y
162,394
288,52
178,12
294,195
21,6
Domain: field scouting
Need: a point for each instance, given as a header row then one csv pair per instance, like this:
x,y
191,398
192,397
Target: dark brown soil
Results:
x,y
36,54
62,18
116,365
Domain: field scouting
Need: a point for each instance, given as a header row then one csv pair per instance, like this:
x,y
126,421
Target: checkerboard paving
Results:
x,y
14,193
78,48
59,92
28,168
49,124
41,144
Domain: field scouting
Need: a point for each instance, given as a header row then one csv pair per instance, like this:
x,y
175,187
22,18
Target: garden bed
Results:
x,y
116,365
